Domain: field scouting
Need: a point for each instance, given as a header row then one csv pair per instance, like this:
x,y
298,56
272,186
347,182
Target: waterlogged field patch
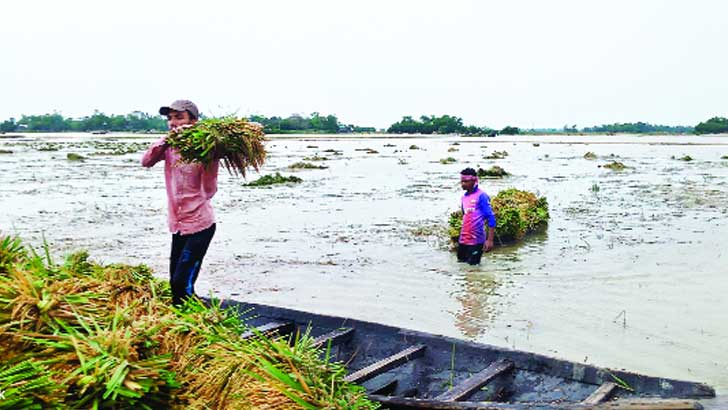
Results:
x,y
277,178
614,166
306,165
497,155
493,172
72,156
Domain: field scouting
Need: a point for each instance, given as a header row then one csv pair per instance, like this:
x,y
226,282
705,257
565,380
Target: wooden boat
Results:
x,y
406,369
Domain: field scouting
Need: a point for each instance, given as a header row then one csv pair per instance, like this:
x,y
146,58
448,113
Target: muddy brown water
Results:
x,y
631,273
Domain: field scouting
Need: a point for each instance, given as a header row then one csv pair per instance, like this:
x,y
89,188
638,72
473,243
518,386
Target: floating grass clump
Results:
x,y
493,172
590,155
614,166
72,156
683,158
724,157
413,146
238,143
315,158
274,179
448,160
306,165
5,151
78,334
496,155
517,214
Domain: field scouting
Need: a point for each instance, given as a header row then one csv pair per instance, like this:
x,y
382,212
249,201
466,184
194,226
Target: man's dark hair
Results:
x,y
469,171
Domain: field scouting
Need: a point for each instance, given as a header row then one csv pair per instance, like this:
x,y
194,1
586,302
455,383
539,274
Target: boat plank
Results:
x,y
280,328
475,382
600,394
386,364
401,403
335,337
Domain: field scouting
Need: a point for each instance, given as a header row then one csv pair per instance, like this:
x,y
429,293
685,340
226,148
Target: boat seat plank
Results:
x,y
280,328
600,394
476,381
334,338
638,404
386,364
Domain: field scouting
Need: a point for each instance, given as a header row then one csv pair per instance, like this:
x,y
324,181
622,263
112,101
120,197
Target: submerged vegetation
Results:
x,y
615,166
72,156
493,172
315,158
274,179
306,165
497,155
238,143
517,214
78,334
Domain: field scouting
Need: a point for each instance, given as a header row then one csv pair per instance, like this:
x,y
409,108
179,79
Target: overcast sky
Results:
x,y
524,63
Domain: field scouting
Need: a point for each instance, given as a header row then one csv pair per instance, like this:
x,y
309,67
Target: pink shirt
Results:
x,y
190,187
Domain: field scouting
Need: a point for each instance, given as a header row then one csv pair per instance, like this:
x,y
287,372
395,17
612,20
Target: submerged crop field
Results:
x,y
631,272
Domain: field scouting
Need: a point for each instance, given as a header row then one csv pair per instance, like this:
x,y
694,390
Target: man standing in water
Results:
x,y
190,187
476,209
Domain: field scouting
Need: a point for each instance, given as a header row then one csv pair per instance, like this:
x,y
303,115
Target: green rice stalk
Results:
x,y
238,143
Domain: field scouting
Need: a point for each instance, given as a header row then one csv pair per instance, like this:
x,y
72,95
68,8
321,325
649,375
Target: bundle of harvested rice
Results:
x,y
236,141
83,335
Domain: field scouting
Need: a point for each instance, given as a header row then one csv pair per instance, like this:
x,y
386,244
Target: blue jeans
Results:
x,y
185,262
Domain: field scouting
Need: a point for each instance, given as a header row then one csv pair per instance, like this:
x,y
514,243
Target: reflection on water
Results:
x,y
361,238
477,310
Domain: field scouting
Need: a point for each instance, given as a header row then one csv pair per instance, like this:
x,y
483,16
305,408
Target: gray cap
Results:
x,y
180,105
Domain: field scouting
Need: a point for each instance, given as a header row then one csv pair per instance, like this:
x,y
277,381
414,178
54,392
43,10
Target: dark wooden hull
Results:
x,y
406,369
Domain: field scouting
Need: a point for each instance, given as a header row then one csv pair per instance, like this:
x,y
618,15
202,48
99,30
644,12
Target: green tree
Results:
x,y
8,125
510,131
715,125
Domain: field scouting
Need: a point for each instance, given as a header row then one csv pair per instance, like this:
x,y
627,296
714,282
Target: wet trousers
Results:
x,y
470,253
186,260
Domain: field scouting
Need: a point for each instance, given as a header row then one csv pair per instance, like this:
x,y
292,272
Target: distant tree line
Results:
x,y
633,128
446,124
715,125
315,123
136,121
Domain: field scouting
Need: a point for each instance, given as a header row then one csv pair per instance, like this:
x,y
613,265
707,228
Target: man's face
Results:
x,y
467,185
178,118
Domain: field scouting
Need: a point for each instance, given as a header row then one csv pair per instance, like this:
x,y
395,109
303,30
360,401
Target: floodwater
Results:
x,y
631,273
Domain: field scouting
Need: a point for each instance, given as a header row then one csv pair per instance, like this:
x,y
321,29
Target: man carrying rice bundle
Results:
x,y
476,208
190,187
